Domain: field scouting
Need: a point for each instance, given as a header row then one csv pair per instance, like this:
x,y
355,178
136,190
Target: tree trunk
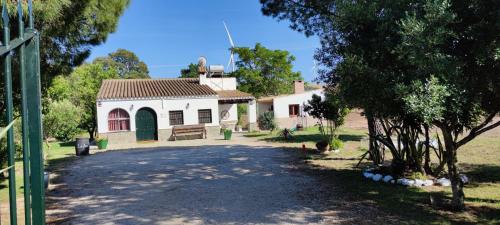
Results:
x,y
427,155
457,202
373,148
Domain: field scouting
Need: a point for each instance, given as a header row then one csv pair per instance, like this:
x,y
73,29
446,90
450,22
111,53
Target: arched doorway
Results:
x,y
146,125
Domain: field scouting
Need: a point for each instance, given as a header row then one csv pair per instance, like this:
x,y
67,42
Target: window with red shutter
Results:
x,y
118,120
293,110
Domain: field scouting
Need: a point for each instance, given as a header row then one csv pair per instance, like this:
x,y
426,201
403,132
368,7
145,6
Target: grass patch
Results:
x,y
479,160
58,152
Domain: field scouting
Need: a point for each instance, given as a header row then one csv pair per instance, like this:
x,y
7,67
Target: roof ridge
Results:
x,y
150,79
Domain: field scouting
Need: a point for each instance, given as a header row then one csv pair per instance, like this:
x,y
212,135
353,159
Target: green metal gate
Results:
x,y
146,125
26,47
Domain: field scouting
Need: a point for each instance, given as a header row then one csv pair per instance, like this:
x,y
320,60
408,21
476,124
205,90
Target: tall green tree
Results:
x,y
126,63
264,72
421,62
69,29
190,72
81,88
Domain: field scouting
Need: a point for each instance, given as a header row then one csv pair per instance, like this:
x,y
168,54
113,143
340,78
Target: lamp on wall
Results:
x,y
187,105
131,107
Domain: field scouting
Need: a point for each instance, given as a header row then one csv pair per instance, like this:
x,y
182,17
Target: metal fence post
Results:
x,y
11,149
28,46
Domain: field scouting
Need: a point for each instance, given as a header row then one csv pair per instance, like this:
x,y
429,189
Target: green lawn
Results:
x,y
479,159
57,153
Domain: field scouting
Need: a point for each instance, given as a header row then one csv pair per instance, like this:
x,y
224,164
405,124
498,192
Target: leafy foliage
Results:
x,y
337,144
61,121
264,72
266,121
126,64
409,63
68,31
286,134
190,72
81,88
331,110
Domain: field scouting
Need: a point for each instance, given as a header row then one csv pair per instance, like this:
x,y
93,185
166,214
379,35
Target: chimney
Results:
x,y
298,86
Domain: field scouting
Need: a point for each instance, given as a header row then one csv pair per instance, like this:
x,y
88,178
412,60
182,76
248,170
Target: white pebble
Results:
x,y
428,183
368,175
377,177
444,182
419,182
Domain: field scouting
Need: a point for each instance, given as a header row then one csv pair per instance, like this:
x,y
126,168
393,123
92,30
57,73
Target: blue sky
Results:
x,y
170,34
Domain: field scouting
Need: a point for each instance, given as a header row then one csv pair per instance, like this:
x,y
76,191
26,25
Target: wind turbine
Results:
x,y
231,58
315,67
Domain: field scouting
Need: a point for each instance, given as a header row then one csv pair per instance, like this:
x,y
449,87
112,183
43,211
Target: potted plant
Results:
x,y
330,112
102,143
322,146
227,134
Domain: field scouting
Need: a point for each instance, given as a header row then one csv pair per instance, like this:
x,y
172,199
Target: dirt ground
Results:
x,y
211,182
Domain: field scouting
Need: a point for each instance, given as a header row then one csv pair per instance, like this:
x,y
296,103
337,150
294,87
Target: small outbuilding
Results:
x,y
289,109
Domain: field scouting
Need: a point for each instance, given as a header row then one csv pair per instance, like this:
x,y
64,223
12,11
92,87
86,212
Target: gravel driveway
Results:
x,y
218,184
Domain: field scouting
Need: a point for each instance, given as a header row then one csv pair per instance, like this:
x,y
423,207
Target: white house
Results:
x,y
147,109
289,109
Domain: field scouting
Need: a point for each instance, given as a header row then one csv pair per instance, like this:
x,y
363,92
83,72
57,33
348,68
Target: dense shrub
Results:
x,y
267,122
286,134
61,120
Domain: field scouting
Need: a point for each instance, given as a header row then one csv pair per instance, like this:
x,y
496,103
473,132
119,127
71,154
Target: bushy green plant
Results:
x,y
418,175
337,144
61,120
330,112
266,121
286,134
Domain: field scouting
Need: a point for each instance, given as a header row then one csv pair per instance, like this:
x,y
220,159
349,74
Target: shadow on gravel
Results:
x,y
226,184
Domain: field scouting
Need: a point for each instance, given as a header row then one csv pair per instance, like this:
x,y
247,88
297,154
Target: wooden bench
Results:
x,y
189,130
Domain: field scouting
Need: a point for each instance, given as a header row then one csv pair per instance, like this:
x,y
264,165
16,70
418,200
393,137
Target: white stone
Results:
x,y
406,182
388,178
377,177
393,181
464,179
443,182
368,175
428,183
419,182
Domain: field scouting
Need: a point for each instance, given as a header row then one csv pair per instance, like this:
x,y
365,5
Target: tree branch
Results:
x,y
481,128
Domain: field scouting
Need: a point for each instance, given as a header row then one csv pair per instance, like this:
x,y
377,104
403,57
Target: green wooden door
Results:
x,y
146,126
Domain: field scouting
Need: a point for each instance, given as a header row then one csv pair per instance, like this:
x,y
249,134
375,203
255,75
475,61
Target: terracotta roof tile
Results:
x,y
234,94
147,88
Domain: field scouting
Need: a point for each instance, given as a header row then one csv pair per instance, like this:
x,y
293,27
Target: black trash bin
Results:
x,y
82,146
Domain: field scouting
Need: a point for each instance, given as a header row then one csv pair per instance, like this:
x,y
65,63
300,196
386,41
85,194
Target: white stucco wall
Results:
x,y
263,107
252,111
189,106
280,104
232,109
219,83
